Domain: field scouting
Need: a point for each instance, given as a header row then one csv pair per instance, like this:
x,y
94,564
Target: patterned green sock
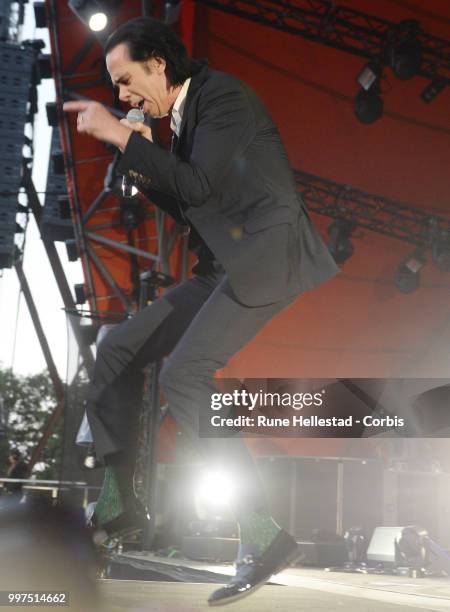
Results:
x,y
258,531
110,503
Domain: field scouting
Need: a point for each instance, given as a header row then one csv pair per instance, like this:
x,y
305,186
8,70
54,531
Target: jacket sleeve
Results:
x,y
225,127
165,202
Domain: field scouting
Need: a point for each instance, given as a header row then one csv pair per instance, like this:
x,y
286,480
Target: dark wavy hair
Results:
x,y
145,38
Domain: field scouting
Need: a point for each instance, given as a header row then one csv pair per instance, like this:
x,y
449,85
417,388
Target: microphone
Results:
x,y
135,115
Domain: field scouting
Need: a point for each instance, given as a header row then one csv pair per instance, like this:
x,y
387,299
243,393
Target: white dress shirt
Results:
x,y
178,108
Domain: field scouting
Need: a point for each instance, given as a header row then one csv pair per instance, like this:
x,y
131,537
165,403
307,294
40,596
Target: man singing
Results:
x,y
228,179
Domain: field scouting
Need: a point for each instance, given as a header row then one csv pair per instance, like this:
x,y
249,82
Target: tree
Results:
x,y
28,401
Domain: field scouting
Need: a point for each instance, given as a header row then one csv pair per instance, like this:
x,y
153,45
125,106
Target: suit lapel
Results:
x,y
197,81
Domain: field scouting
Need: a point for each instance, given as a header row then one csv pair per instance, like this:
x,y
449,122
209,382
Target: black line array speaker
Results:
x,y
16,65
54,224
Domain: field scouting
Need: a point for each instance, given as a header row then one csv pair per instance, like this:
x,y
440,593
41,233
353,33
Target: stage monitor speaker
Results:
x,y
382,545
322,554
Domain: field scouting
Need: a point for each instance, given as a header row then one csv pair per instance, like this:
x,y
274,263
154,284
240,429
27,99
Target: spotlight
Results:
x,y
96,14
407,277
440,251
132,212
214,495
172,10
356,544
98,22
368,105
340,245
405,51
412,549
369,75
91,461
432,90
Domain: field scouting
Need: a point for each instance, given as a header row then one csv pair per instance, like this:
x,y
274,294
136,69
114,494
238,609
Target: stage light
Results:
x,y
432,90
404,50
407,277
368,105
356,544
340,245
98,22
405,280
214,494
132,212
172,11
441,253
369,75
407,60
412,549
96,14
89,462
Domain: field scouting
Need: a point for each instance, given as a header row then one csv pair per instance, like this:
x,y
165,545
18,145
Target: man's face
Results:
x,y
141,84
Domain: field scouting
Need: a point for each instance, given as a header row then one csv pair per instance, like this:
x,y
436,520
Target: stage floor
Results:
x,y
295,589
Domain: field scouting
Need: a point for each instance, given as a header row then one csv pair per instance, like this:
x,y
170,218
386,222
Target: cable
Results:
x,y
16,326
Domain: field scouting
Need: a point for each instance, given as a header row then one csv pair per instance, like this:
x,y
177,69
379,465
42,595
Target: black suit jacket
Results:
x,y
231,177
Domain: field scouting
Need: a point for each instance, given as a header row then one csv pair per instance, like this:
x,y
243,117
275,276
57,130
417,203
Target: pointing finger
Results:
x,y
75,106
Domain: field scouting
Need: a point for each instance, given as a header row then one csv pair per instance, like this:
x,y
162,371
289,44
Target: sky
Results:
x,y
19,346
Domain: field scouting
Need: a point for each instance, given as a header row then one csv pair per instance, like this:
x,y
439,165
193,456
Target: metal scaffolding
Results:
x,y
342,28
372,212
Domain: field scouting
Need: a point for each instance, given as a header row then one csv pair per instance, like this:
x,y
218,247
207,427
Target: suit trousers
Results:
x,y
199,325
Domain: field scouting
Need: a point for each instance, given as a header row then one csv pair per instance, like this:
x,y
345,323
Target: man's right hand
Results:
x,y
138,126
94,119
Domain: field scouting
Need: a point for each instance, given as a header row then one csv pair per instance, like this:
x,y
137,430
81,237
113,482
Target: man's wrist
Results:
x,y
121,136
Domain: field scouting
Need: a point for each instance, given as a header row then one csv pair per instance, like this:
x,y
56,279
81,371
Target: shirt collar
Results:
x,y
178,108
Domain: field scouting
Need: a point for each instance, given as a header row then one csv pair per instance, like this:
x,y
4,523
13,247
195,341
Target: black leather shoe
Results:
x,y
253,572
134,518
